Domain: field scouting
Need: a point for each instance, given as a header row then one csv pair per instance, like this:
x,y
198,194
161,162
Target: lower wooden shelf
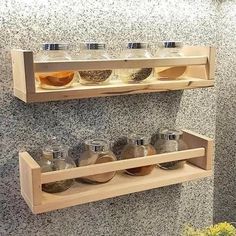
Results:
x,y
199,165
121,184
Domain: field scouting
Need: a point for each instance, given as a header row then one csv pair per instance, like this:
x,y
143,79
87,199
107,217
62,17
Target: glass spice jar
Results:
x,y
97,151
138,146
55,80
94,51
135,50
55,157
170,140
170,49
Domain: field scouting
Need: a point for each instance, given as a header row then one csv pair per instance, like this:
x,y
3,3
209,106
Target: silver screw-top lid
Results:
x,y
97,145
170,44
55,46
170,134
136,45
93,45
138,139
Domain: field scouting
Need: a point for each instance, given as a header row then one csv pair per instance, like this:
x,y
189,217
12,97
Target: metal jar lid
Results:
x,y
170,134
55,46
136,45
138,139
93,46
97,145
170,44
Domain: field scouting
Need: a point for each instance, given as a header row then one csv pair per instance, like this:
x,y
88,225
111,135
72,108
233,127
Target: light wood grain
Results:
x,y
119,165
23,71
199,155
200,62
117,89
30,180
194,140
117,63
121,184
211,63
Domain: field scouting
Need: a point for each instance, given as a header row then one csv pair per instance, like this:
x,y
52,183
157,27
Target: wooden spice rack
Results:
x,y
199,165
200,62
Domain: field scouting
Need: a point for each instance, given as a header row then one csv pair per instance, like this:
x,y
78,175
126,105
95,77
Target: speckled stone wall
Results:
x,y
164,211
225,160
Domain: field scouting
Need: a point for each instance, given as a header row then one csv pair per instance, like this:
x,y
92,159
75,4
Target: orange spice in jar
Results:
x,y
138,146
55,80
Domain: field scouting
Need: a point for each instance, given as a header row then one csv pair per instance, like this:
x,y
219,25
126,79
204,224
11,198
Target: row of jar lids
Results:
x,y
102,45
97,144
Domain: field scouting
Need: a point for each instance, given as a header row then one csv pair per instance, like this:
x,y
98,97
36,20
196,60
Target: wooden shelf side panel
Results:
x,y
194,140
23,71
30,180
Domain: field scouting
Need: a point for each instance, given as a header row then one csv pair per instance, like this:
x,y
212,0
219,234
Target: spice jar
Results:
x,y
94,51
135,50
55,157
55,80
170,140
97,151
170,49
138,146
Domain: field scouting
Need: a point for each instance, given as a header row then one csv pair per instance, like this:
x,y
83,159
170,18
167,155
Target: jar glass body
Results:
x,y
55,157
166,145
170,49
97,155
94,77
55,80
138,149
135,75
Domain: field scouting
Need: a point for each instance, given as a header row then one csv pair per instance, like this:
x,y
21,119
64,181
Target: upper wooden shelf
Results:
x,y
200,62
199,165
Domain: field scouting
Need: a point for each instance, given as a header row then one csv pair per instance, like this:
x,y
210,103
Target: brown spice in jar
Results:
x,y
95,76
137,151
101,178
141,75
57,79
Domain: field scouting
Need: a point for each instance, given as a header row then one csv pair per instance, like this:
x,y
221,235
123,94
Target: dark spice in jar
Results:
x,y
95,76
142,74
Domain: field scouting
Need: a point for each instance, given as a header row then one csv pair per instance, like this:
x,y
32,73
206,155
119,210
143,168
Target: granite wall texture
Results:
x,y
225,160
164,211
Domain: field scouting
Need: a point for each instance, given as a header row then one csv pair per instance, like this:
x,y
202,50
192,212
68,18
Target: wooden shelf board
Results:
x,y
118,63
115,88
121,184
